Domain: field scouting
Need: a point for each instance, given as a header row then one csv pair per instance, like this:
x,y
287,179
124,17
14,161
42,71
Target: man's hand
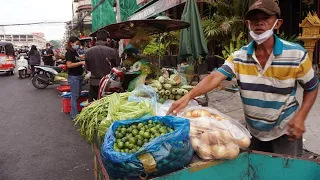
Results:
x,y
178,105
82,62
207,84
296,127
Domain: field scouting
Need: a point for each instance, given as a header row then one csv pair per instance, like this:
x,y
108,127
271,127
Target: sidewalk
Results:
x,y
230,104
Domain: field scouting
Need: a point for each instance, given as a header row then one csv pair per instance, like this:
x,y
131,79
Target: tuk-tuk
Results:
x,y
7,57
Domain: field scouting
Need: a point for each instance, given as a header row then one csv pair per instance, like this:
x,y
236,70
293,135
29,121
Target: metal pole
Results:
x,y
118,18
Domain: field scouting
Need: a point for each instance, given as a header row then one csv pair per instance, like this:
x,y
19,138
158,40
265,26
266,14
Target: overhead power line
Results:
x,y
35,23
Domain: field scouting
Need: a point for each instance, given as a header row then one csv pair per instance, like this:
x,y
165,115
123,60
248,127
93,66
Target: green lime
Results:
x,y
129,130
143,129
134,126
120,135
123,130
118,140
150,122
163,130
122,150
139,142
150,125
124,139
126,150
135,132
140,125
129,136
116,133
141,133
145,140
126,144
130,146
117,149
157,134
152,136
120,145
148,130
153,130
139,137
146,135
158,126
133,140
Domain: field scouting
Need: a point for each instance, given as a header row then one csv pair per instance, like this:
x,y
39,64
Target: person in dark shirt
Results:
x,y
47,55
99,61
75,71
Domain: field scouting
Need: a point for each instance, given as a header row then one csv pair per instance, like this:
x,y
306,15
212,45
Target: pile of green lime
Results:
x,y
130,138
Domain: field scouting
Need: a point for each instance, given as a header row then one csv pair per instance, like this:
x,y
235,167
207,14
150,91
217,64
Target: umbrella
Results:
x,y
192,42
127,29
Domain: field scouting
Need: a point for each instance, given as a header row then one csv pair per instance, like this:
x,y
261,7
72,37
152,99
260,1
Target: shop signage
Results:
x,y
155,8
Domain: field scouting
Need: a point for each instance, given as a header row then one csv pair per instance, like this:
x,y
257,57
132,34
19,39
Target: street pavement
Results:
x,y
230,104
37,140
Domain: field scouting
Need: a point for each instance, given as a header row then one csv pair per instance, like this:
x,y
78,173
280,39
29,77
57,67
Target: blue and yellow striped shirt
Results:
x,y
268,94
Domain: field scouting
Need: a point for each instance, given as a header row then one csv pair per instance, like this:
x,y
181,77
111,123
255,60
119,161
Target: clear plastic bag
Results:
x,y
144,93
169,152
182,77
215,135
162,109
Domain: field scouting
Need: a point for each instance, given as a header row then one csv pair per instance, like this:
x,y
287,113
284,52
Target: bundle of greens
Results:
x,y
99,115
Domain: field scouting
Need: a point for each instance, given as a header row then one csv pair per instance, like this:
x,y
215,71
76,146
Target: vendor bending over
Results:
x,y
267,71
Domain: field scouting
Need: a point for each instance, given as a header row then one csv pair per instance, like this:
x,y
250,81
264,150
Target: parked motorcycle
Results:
x,y
112,82
44,76
24,69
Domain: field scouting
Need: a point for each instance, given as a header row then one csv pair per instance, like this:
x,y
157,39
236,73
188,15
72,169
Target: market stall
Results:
x,y
132,139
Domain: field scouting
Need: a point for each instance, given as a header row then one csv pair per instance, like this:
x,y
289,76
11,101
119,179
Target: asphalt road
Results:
x,y
37,140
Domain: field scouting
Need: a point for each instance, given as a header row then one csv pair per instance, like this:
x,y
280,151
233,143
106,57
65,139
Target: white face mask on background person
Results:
x,y
261,38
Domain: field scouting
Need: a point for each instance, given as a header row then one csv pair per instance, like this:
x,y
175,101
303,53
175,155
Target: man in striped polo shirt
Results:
x,y
268,71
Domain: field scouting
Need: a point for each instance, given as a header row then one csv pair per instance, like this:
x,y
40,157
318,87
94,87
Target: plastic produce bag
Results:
x,y
144,93
164,154
162,109
214,135
182,77
140,80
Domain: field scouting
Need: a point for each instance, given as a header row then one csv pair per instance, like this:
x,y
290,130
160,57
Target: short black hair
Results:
x,y
73,39
102,35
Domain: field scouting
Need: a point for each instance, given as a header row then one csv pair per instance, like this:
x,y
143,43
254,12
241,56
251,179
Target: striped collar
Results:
x,y
277,48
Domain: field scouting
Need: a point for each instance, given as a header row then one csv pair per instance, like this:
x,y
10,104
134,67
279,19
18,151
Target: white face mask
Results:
x,y
261,38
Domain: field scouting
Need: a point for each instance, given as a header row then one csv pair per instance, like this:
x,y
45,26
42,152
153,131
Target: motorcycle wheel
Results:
x,y
22,74
38,84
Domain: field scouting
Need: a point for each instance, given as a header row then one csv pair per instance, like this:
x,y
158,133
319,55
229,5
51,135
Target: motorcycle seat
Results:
x,y
58,69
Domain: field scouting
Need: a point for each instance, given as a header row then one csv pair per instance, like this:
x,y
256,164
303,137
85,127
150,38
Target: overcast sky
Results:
x,y
25,11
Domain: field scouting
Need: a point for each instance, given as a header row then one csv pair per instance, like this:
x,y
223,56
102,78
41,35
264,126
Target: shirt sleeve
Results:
x,y
228,68
69,56
306,76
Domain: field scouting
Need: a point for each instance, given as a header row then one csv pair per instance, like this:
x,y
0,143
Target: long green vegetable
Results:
x,y
91,116
100,114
